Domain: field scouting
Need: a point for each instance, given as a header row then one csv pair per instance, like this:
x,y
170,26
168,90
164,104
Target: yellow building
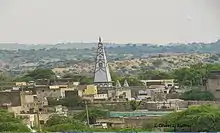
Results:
x,y
20,83
90,90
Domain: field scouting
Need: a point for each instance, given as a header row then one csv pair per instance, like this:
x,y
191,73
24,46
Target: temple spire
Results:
x,y
126,83
100,40
102,75
118,84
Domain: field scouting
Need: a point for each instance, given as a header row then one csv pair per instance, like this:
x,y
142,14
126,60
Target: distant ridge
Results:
x,y
172,47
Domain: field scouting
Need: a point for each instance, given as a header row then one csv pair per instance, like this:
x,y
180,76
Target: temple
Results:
x,y
102,77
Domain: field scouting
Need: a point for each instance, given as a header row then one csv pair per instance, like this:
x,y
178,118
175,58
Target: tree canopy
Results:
x,y
93,115
79,78
8,123
196,94
193,75
205,118
58,123
37,74
70,102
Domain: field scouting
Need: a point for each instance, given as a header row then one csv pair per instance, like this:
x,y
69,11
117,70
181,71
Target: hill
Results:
x,y
124,48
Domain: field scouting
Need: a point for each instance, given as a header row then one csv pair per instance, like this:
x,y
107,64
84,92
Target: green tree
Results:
x,y
114,75
155,75
80,78
37,74
58,123
70,102
9,123
194,74
135,104
205,118
157,63
196,94
132,81
93,115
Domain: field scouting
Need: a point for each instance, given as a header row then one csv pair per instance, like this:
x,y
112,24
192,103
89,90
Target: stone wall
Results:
x,y
10,97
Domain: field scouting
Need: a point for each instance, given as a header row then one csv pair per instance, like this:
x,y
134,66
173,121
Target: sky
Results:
x,y
116,21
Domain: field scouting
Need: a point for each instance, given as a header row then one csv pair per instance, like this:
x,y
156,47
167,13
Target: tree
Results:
x,y
194,119
58,123
155,75
37,74
135,104
157,63
214,57
114,75
80,78
9,123
132,81
70,102
194,74
93,115
196,94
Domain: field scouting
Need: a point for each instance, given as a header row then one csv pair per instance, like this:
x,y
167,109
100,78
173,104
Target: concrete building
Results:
x,y
101,97
213,84
123,93
20,84
55,91
144,94
18,102
90,90
164,82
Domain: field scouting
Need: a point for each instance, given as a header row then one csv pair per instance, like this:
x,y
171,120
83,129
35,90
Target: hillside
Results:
x,y
124,48
127,58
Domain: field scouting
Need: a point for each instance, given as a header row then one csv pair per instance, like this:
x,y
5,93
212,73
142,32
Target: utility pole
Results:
x,y
38,121
37,112
87,113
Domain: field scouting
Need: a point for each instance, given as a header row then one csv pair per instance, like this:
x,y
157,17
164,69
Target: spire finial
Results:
x,y
100,40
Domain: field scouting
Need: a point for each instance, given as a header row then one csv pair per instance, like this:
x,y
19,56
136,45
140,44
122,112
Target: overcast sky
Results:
x,y
119,21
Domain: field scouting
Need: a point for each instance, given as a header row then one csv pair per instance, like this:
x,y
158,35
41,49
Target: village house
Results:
x,y
55,89
18,101
213,83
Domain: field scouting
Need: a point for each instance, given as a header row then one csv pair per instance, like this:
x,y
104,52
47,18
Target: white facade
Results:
x,y
123,92
165,82
101,96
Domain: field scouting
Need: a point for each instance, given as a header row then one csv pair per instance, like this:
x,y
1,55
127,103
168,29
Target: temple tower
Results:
x,y
102,77
118,84
126,83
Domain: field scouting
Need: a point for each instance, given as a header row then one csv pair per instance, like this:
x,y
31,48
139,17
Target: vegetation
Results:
x,y
155,75
93,115
37,74
8,123
135,104
58,123
193,76
70,102
196,94
205,118
79,78
132,81
68,124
